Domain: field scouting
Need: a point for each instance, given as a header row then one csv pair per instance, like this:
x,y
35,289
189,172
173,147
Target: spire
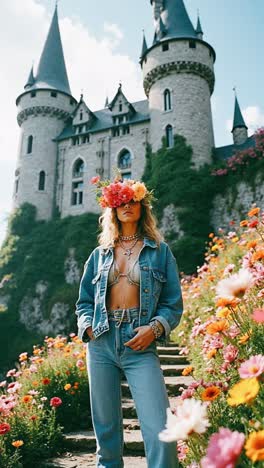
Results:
x,y
199,30
31,79
106,102
238,117
52,71
144,46
175,19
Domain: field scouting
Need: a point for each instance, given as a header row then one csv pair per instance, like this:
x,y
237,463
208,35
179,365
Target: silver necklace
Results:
x,y
128,251
134,236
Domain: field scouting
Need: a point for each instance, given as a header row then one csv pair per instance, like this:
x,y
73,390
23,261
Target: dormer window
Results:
x,y
120,107
81,115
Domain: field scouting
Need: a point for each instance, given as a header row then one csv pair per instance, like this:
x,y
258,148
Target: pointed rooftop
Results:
x,y
238,117
199,27
31,80
144,46
52,73
176,21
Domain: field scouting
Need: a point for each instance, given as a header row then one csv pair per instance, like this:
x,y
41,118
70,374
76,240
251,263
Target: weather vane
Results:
x,y
235,91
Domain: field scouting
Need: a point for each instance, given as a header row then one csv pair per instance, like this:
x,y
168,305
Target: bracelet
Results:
x,y
157,328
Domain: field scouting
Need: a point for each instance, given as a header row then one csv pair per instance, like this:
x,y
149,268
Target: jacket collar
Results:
x,y
146,241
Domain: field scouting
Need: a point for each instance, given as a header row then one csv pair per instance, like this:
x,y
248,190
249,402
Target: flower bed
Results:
x,y
218,421
46,394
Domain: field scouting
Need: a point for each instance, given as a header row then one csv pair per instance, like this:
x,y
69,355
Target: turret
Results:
x,y
178,72
239,130
43,109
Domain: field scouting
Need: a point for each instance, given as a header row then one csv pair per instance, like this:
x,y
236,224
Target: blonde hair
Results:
x,y
111,226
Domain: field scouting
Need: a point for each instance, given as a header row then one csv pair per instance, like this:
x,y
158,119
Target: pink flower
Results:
x,y
224,449
258,315
55,402
13,387
80,363
4,428
230,353
94,180
253,367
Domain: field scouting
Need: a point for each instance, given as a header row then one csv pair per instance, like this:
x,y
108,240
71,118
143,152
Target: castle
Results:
x,y
64,143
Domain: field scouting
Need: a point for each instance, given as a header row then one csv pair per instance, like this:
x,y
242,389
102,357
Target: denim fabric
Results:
x,y
107,357
160,289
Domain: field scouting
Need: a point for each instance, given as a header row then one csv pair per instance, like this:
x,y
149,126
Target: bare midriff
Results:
x,y
124,295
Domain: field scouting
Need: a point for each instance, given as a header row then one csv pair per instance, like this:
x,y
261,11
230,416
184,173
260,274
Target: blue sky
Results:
x,y
102,41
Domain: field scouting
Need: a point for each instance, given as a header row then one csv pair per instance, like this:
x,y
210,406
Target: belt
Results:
x,y
123,315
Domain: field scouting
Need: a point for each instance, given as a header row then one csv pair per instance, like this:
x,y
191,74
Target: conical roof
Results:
x,y
144,46
176,20
238,117
52,71
31,80
199,27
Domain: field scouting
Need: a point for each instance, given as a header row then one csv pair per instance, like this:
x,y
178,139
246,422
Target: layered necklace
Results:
x,y
128,250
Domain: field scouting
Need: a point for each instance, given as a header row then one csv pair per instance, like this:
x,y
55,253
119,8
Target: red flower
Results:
x,y
55,402
253,224
94,180
4,428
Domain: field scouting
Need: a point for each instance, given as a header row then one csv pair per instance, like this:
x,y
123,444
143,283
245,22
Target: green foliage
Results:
x,y
22,220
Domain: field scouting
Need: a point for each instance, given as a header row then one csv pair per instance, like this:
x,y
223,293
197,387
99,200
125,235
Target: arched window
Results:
x,y
42,177
169,137
78,168
124,160
167,100
29,144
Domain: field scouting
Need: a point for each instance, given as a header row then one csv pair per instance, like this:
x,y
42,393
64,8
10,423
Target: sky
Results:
x,y
102,41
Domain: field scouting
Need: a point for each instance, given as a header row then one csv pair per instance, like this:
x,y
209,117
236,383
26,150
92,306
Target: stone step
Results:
x,y
129,410
88,460
85,440
130,423
173,359
172,369
173,383
168,349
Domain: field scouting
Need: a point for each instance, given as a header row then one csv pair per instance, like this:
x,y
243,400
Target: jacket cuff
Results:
x,y
163,322
82,332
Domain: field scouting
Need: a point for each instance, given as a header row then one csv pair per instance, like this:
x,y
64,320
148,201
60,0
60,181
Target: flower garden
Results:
x,y
218,421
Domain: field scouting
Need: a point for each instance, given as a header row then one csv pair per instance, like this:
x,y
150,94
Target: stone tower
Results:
x,y
178,73
43,109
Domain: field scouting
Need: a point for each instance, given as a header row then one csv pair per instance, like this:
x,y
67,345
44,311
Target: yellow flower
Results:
x,y
210,393
244,223
244,338
215,247
235,239
243,392
17,443
67,386
139,191
223,313
187,370
255,446
211,353
253,212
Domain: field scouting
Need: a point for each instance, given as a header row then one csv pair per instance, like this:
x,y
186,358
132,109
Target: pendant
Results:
x,y
128,253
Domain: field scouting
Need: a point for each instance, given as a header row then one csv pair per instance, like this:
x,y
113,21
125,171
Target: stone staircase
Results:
x,y
80,446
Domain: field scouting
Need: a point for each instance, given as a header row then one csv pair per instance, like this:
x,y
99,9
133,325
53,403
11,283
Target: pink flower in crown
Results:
x,y
117,193
94,180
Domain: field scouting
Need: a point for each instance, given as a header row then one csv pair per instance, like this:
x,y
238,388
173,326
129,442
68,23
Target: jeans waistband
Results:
x,y
123,315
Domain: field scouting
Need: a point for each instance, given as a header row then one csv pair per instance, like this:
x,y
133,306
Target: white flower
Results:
x,y
236,285
191,416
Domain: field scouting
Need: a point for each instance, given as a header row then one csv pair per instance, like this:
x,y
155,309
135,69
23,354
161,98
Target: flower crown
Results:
x,y
113,194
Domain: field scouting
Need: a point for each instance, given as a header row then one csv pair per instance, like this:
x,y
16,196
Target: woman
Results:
x,y
129,298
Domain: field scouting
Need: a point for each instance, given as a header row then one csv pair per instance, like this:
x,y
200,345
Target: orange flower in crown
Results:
x,y
113,194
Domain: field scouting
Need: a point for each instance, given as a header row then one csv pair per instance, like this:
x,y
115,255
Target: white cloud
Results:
x,y
254,119
94,67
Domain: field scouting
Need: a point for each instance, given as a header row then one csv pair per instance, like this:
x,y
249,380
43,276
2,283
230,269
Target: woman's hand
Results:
x,y
89,332
143,338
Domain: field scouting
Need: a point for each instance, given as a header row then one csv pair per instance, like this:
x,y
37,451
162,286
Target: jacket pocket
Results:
x,y
159,279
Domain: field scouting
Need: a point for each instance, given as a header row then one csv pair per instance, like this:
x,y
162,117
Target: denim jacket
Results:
x,y
160,289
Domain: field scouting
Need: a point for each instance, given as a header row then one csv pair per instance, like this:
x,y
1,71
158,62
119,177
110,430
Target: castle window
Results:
x,y
53,94
80,129
165,47
33,94
16,185
120,106
124,160
78,168
71,102
126,175
42,177
77,193
192,44
126,129
30,144
115,132
167,100
81,115
86,139
169,137
75,141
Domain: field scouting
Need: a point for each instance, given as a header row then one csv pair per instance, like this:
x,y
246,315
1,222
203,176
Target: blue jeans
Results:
x,y
106,357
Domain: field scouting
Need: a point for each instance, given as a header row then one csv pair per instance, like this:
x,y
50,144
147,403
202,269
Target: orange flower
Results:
x,y
27,398
244,338
258,255
252,244
46,381
35,383
59,345
36,351
211,235
67,386
187,370
34,417
223,313
244,223
210,393
224,302
211,353
216,327
255,446
17,443
253,212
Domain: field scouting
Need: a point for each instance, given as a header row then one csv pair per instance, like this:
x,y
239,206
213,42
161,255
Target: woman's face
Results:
x,y
129,212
